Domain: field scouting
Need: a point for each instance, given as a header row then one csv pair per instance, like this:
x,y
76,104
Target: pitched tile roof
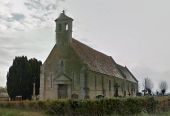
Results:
x,y
95,60
127,74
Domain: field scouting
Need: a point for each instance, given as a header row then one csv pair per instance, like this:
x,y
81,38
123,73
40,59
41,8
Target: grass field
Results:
x,y
19,112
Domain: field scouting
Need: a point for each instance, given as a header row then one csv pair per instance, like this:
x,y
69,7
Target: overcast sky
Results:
x,y
136,33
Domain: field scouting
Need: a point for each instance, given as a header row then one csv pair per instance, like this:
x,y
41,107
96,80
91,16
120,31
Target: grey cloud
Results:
x,y
33,4
39,10
38,5
18,44
38,17
51,7
15,22
17,16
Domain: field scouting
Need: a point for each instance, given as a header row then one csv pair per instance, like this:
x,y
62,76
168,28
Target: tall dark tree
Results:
x,y
35,66
20,78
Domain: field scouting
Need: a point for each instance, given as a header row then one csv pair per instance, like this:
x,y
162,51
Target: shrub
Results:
x,y
57,107
103,107
150,104
132,106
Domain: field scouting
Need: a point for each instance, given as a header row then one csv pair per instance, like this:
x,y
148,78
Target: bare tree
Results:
x,y
163,87
148,85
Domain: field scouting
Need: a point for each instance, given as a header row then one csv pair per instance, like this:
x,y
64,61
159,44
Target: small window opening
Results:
x,y
66,27
109,85
59,27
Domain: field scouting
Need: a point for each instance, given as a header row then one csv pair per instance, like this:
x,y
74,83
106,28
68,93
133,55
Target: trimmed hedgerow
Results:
x,y
129,106
103,107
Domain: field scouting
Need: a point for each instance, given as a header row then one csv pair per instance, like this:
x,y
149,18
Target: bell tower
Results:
x,y
63,30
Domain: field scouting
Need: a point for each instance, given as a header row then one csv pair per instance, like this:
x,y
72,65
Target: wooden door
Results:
x,y
62,91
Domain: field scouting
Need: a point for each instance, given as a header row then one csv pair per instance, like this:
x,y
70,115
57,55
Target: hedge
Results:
x,y
104,107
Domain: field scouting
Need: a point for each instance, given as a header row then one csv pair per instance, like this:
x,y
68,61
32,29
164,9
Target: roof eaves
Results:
x,y
118,66
131,74
105,74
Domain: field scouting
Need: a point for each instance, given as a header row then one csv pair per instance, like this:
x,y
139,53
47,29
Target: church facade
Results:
x,y
73,70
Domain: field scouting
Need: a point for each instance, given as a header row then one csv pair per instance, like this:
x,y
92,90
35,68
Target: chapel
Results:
x,y
74,70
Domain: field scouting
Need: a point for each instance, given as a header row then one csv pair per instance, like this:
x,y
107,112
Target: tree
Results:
x,y
148,85
21,77
35,66
163,87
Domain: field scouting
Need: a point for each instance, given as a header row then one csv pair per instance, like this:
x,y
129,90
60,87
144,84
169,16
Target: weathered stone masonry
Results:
x,y
75,71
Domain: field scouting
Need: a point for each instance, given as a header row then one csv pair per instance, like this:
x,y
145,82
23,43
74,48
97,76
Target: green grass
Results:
x,y
19,112
161,114
165,114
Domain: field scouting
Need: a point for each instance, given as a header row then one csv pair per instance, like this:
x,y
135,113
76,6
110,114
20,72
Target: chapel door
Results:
x,y
62,91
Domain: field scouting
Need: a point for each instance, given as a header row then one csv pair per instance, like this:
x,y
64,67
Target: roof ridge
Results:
x,y
96,60
124,68
91,48
131,74
120,66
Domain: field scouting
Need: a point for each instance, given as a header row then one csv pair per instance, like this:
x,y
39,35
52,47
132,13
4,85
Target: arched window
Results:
x,y
66,26
59,27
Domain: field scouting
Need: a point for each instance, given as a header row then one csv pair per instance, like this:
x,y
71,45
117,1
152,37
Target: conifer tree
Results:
x,y
21,76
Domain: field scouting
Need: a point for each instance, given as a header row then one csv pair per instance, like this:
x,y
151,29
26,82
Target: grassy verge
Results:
x,y
165,114
155,114
19,112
